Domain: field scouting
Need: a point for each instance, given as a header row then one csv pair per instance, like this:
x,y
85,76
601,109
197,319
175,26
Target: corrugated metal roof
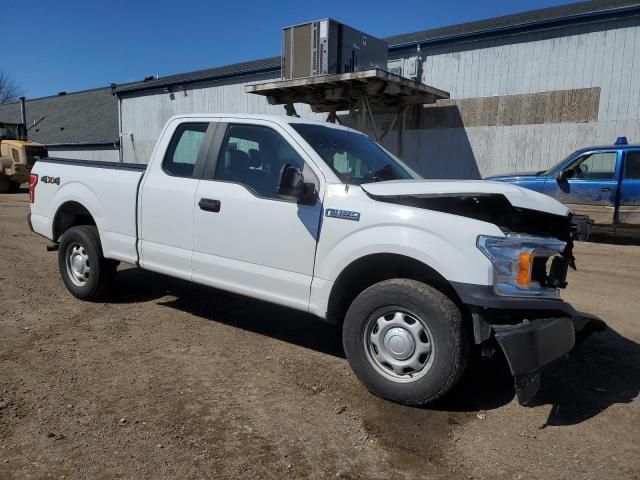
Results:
x,y
531,19
234,70
84,117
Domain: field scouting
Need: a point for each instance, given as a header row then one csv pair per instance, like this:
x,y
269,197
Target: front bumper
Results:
x,y
539,331
483,296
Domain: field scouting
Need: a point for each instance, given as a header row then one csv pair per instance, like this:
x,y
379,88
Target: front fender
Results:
x,y
456,259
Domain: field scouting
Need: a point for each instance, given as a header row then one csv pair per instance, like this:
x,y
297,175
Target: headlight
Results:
x,y
519,264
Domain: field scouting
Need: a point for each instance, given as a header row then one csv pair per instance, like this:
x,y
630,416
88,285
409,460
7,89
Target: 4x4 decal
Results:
x,y
47,179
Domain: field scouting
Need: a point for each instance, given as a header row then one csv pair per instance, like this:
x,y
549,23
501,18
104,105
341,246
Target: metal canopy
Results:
x,y
384,91
365,93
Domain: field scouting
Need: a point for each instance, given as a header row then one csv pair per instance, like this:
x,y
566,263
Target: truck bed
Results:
x,y
108,190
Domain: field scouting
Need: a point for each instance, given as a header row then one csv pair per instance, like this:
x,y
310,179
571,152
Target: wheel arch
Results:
x,y
370,269
70,214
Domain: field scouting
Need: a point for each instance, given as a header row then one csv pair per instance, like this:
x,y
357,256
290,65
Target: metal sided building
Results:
x,y
526,90
72,125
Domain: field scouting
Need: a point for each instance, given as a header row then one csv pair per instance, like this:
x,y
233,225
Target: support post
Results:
x,y
401,129
291,110
391,125
362,115
373,123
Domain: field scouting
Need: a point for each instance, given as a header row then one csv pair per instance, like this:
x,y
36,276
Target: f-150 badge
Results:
x,y
344,214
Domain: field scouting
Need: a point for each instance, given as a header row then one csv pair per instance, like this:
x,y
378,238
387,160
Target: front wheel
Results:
x,y
406,341
85,272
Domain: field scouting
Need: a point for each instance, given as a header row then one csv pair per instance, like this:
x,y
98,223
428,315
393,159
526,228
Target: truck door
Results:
x,y
167,199
629,210
247,238
588,185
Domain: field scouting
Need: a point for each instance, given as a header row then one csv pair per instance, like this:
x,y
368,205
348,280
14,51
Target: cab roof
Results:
x,y
280,119
609,147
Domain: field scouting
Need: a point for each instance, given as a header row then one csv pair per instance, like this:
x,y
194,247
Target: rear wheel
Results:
x,y
14,186
406,341
85,272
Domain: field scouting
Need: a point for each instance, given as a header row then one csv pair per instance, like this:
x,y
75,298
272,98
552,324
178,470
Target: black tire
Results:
x,y
441,327
5,184
14,187
83,243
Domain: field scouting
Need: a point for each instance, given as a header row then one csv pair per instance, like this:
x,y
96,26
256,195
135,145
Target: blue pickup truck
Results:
x,y
601,182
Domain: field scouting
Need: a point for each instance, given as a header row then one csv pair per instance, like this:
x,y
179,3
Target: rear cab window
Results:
x,y
183,150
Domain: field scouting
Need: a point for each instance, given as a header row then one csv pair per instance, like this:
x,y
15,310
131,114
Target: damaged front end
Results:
x,y
522,311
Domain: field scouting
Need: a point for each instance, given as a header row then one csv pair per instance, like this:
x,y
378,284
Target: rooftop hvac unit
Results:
x,y
326,47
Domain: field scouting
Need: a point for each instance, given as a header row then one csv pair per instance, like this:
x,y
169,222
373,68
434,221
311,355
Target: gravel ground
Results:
x,y
172,380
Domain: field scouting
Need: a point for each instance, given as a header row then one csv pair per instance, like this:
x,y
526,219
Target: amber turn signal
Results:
x,y
524,269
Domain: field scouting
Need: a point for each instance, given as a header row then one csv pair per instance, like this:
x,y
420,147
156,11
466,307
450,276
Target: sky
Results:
x,y
70,45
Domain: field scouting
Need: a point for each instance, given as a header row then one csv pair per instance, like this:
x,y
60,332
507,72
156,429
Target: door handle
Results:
x,y
209,205
607,189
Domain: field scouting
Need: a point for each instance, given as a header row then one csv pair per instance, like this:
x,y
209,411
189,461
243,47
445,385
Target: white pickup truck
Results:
x,y
322,219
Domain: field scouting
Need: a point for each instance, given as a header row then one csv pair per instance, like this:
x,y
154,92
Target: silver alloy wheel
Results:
x,y
77,262
399,345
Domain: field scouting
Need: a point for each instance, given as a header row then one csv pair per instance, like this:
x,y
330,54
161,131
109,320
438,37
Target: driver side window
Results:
x,y
594,166
254,156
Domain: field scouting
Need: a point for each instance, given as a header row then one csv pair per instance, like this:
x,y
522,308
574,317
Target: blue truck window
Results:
x,y
632,166
594,166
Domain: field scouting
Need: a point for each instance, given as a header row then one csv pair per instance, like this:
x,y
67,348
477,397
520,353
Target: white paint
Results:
x,y
517,196
108,195
269,249
256,244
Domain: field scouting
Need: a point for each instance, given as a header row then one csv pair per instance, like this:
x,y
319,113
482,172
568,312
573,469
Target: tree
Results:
x,y
9,90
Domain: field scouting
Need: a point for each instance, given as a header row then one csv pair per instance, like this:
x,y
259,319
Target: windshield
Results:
x,y
12,131
547,172
355,158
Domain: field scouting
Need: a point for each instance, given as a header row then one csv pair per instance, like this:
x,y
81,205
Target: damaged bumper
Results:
x,y
544,331
532,345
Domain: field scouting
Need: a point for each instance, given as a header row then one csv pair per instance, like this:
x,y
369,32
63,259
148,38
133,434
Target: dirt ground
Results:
x,y
172,380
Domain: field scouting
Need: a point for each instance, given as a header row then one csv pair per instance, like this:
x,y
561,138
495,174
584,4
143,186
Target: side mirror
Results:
x,y
561,175
293,186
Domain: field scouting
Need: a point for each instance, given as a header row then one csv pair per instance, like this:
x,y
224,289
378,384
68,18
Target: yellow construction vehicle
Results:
x,y
17,155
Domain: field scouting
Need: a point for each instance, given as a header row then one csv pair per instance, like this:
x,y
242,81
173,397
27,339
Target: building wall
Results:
x,y
520,102
98,153
144,116
602,58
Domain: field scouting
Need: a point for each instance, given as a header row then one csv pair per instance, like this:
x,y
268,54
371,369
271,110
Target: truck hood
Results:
x,y
517,196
